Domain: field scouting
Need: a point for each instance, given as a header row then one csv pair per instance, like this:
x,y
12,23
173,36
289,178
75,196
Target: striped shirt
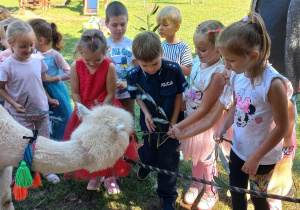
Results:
x,y
179,52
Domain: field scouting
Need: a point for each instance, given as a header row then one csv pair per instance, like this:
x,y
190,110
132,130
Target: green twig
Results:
x,y
153,102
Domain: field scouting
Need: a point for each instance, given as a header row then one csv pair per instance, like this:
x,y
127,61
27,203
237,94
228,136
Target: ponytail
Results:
x,y
242,37
49,32
57,43
265,46
93,40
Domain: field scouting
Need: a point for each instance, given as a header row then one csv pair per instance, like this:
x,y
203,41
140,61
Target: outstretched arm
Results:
x,y
279,104
228,121
204,126
210,97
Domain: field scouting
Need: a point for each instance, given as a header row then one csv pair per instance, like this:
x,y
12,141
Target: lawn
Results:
x,y
135,194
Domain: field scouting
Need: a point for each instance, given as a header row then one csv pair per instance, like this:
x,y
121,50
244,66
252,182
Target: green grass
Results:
x,y
135,194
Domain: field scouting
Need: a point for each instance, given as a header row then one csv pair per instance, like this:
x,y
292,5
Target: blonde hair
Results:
x,y
17,28
4,23
241,38
146,46
169,14
210,29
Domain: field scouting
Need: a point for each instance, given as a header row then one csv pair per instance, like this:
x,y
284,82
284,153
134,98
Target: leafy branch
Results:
x,y
163,121
147,21
149,98
219,151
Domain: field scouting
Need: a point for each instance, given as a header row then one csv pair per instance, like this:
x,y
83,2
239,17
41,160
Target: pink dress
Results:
x,y
199,147
93,86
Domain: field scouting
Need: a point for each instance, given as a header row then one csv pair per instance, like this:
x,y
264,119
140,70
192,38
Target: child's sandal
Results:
x,y
94,184
111,185
53,178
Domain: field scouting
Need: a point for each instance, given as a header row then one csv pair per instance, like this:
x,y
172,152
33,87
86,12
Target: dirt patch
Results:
x,y
28,13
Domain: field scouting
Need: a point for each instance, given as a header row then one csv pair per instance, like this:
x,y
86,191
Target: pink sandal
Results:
x,y
94,184
111,186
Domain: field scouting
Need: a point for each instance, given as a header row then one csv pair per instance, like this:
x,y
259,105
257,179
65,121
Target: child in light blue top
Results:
x,y
120,51
58,71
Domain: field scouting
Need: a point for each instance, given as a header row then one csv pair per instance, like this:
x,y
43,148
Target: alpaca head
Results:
x,y
103,135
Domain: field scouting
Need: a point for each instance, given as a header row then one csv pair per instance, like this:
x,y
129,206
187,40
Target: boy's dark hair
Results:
x,y
146,46
115,9
48,31
93,40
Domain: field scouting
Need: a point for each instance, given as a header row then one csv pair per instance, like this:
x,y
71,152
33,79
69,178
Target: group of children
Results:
x,y
231,83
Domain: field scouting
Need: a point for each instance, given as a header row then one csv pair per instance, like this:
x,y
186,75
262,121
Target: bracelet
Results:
x,y
287,150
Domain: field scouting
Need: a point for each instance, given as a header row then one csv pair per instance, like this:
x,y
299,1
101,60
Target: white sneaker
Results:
x,y
208,201
192,193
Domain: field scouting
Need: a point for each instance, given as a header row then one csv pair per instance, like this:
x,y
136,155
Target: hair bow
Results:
x,y
243,105
245,19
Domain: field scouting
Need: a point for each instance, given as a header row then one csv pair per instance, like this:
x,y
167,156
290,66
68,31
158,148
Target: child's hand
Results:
x,y
149,122
19,108
47,78
183,105
218,135
121,85
251,165
177,134
172,132
54,102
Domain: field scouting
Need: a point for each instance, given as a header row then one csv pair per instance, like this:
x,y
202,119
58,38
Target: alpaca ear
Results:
x,y
120,128
83,111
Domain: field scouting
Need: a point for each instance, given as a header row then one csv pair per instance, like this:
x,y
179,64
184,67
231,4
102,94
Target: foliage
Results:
x,y
157,120
148,23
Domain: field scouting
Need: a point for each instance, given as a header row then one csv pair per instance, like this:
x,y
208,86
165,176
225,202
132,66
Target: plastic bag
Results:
x,y
281,181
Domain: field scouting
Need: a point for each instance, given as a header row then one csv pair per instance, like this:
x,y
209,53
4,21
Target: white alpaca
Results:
x,y
99,141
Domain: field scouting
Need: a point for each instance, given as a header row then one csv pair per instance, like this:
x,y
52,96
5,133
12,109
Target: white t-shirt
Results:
x,y
24,79
253,119
199,81
122,56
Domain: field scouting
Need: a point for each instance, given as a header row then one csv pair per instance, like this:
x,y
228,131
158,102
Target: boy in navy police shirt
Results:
x,y
164,82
